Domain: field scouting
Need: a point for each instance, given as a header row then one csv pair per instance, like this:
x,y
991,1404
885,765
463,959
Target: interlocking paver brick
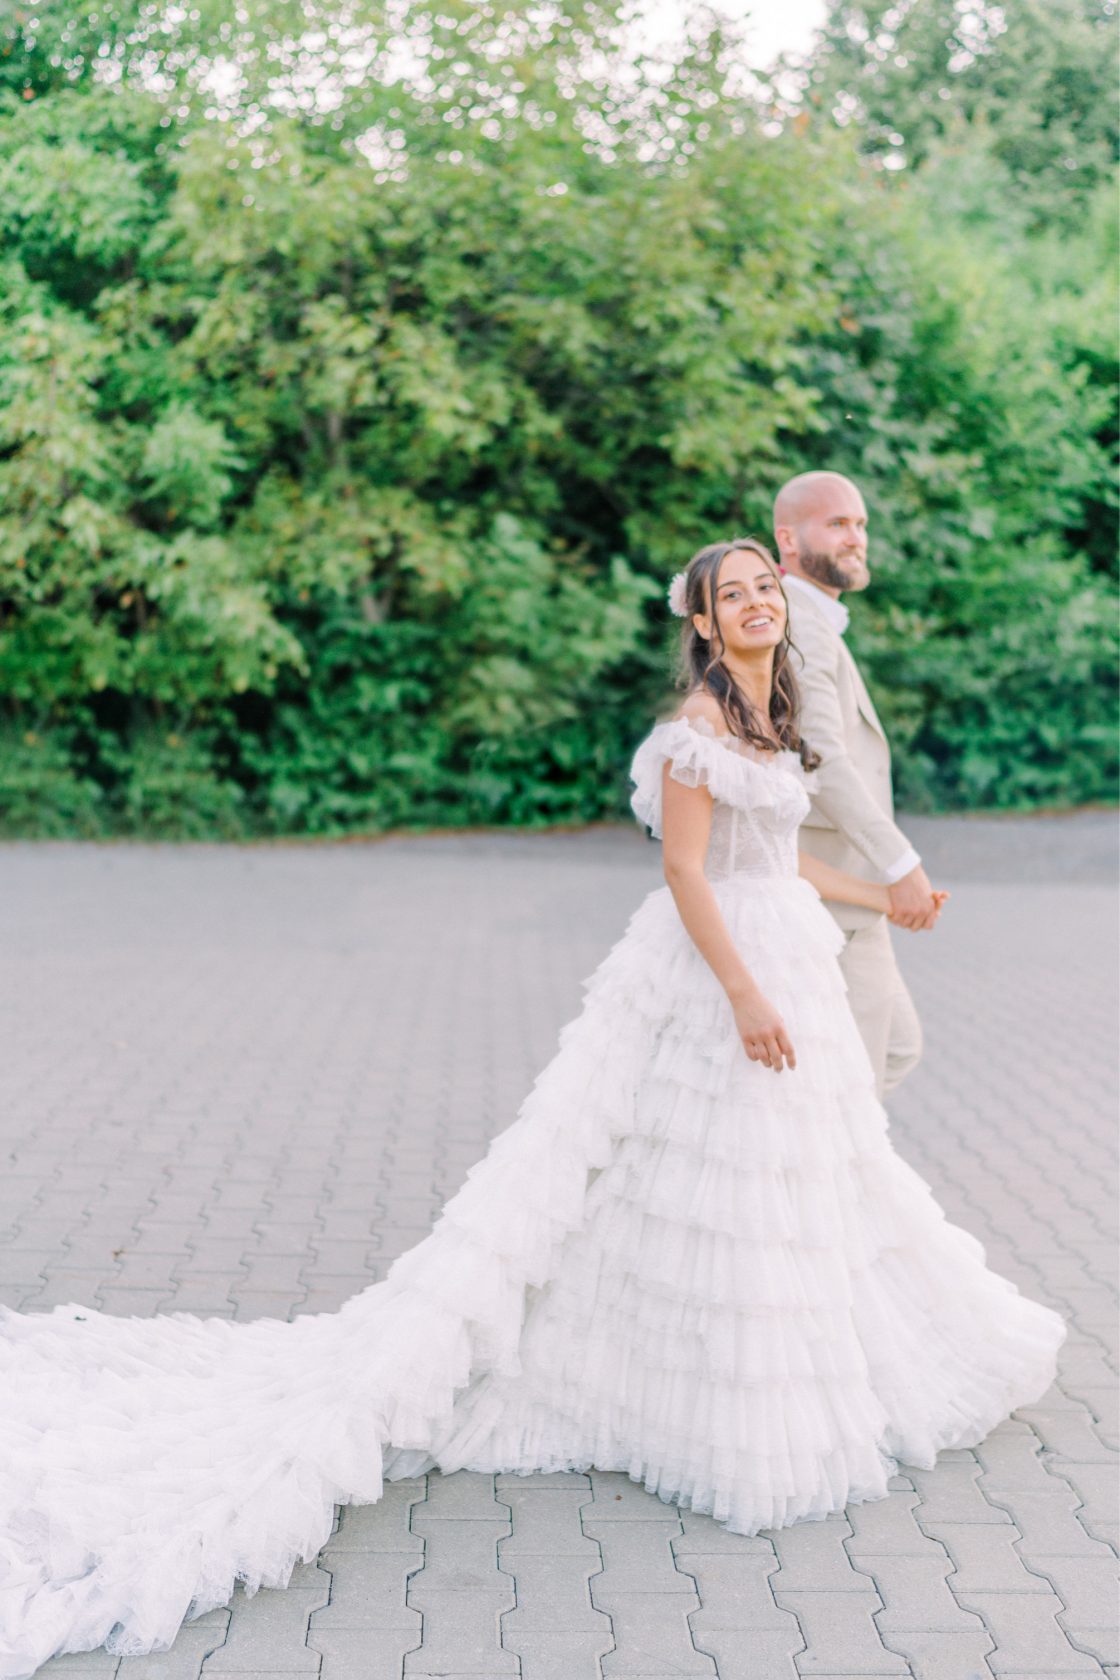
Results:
x,y
62,1288
157,1237
97,1248
840,1633
985,1558
208,1253
463,1495
269,1630
339,1225
736,1595
361,1654
942,1655
887,1527
386,1526
135,1270
915,1595
1088,1589
461,1553
27,1265
368,1591
1068,1432
337,1254
552,1592
1048,1523
1010,1459
1103,1404
814,1557
133,1303
766,1655
285,1209
1108,1335
253,1304
1097,1486
18,1296
462,1635
272,1274
1091,1306
274,1237
1027,1635
652,1637
204,1293
48,1235
637,1556
545,1520
951,1493
550,1654
228,1196
1088,1375
640,1583
460,1591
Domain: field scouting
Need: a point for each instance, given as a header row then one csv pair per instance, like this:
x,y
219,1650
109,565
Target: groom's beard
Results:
x,y
832,572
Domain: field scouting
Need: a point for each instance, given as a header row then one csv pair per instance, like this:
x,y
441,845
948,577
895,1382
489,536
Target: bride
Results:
x,y
693,1257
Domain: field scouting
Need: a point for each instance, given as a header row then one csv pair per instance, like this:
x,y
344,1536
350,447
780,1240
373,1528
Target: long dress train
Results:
x,y
673,1263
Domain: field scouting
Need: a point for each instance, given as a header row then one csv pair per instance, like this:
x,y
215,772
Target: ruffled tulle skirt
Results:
x,y
674,1263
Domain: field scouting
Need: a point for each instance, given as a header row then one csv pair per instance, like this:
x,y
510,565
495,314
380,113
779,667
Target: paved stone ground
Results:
x,y
241,1081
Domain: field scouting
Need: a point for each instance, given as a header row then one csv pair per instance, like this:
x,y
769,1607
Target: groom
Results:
x,y
820,526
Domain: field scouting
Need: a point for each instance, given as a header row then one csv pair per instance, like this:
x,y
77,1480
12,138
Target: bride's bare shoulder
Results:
x,y
705,706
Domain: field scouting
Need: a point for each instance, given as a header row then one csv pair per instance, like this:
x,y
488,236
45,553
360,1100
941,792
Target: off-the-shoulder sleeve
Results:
x,y
698,758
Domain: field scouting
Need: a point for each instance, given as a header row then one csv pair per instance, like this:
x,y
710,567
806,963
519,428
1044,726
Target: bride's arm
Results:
x,y
842,888
686,825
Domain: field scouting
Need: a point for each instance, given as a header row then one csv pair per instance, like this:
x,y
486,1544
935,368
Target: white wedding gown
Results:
x,y
674,1263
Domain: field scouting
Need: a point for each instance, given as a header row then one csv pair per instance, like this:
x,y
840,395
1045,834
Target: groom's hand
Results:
x,y
913,904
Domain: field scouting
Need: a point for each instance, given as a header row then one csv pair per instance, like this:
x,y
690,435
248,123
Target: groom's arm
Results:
x,y
841,795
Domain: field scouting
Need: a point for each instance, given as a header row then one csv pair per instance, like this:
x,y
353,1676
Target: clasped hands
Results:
x,y
914,903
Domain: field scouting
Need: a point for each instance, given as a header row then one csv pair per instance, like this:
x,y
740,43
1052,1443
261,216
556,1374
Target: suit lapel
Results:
x,y
863,699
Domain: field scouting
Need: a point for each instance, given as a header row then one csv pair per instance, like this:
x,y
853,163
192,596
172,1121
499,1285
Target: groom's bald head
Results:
x,y
801,496
820,528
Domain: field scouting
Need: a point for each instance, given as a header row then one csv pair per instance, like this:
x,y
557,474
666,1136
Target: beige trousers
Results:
x,y
883,1008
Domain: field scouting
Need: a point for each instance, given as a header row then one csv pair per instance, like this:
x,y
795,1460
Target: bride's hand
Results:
x,y
763,1032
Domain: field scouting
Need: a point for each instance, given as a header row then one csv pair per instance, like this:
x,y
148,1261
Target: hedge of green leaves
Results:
x,y
353,419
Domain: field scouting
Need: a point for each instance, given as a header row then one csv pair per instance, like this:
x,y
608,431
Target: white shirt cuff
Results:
x,y
908,861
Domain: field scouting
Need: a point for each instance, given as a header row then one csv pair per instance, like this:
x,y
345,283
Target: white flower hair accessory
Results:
x,y
678,595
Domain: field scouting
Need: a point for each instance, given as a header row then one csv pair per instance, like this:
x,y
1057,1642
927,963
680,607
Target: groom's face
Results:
x,y
832,538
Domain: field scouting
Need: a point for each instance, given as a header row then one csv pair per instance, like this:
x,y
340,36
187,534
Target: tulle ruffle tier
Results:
x,y
762,1308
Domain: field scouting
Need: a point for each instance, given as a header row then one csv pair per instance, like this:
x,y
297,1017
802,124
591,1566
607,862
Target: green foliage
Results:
x,y
1035,80
350,425
491,707
979,422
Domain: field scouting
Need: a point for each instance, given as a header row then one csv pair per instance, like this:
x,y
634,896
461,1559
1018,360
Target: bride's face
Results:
x,y
750,607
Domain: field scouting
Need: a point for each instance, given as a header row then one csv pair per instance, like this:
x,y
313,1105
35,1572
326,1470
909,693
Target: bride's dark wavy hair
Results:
x,y
701,669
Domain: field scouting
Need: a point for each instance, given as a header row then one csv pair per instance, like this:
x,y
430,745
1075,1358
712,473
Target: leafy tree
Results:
x,y
1036,78
969,419
352,419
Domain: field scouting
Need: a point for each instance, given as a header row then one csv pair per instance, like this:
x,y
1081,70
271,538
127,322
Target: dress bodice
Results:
x,y
759,799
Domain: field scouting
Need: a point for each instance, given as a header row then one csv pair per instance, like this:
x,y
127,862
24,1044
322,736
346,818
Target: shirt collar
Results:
x,y
836,614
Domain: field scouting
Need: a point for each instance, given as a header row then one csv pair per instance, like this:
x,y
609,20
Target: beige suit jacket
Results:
x,y
851,824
